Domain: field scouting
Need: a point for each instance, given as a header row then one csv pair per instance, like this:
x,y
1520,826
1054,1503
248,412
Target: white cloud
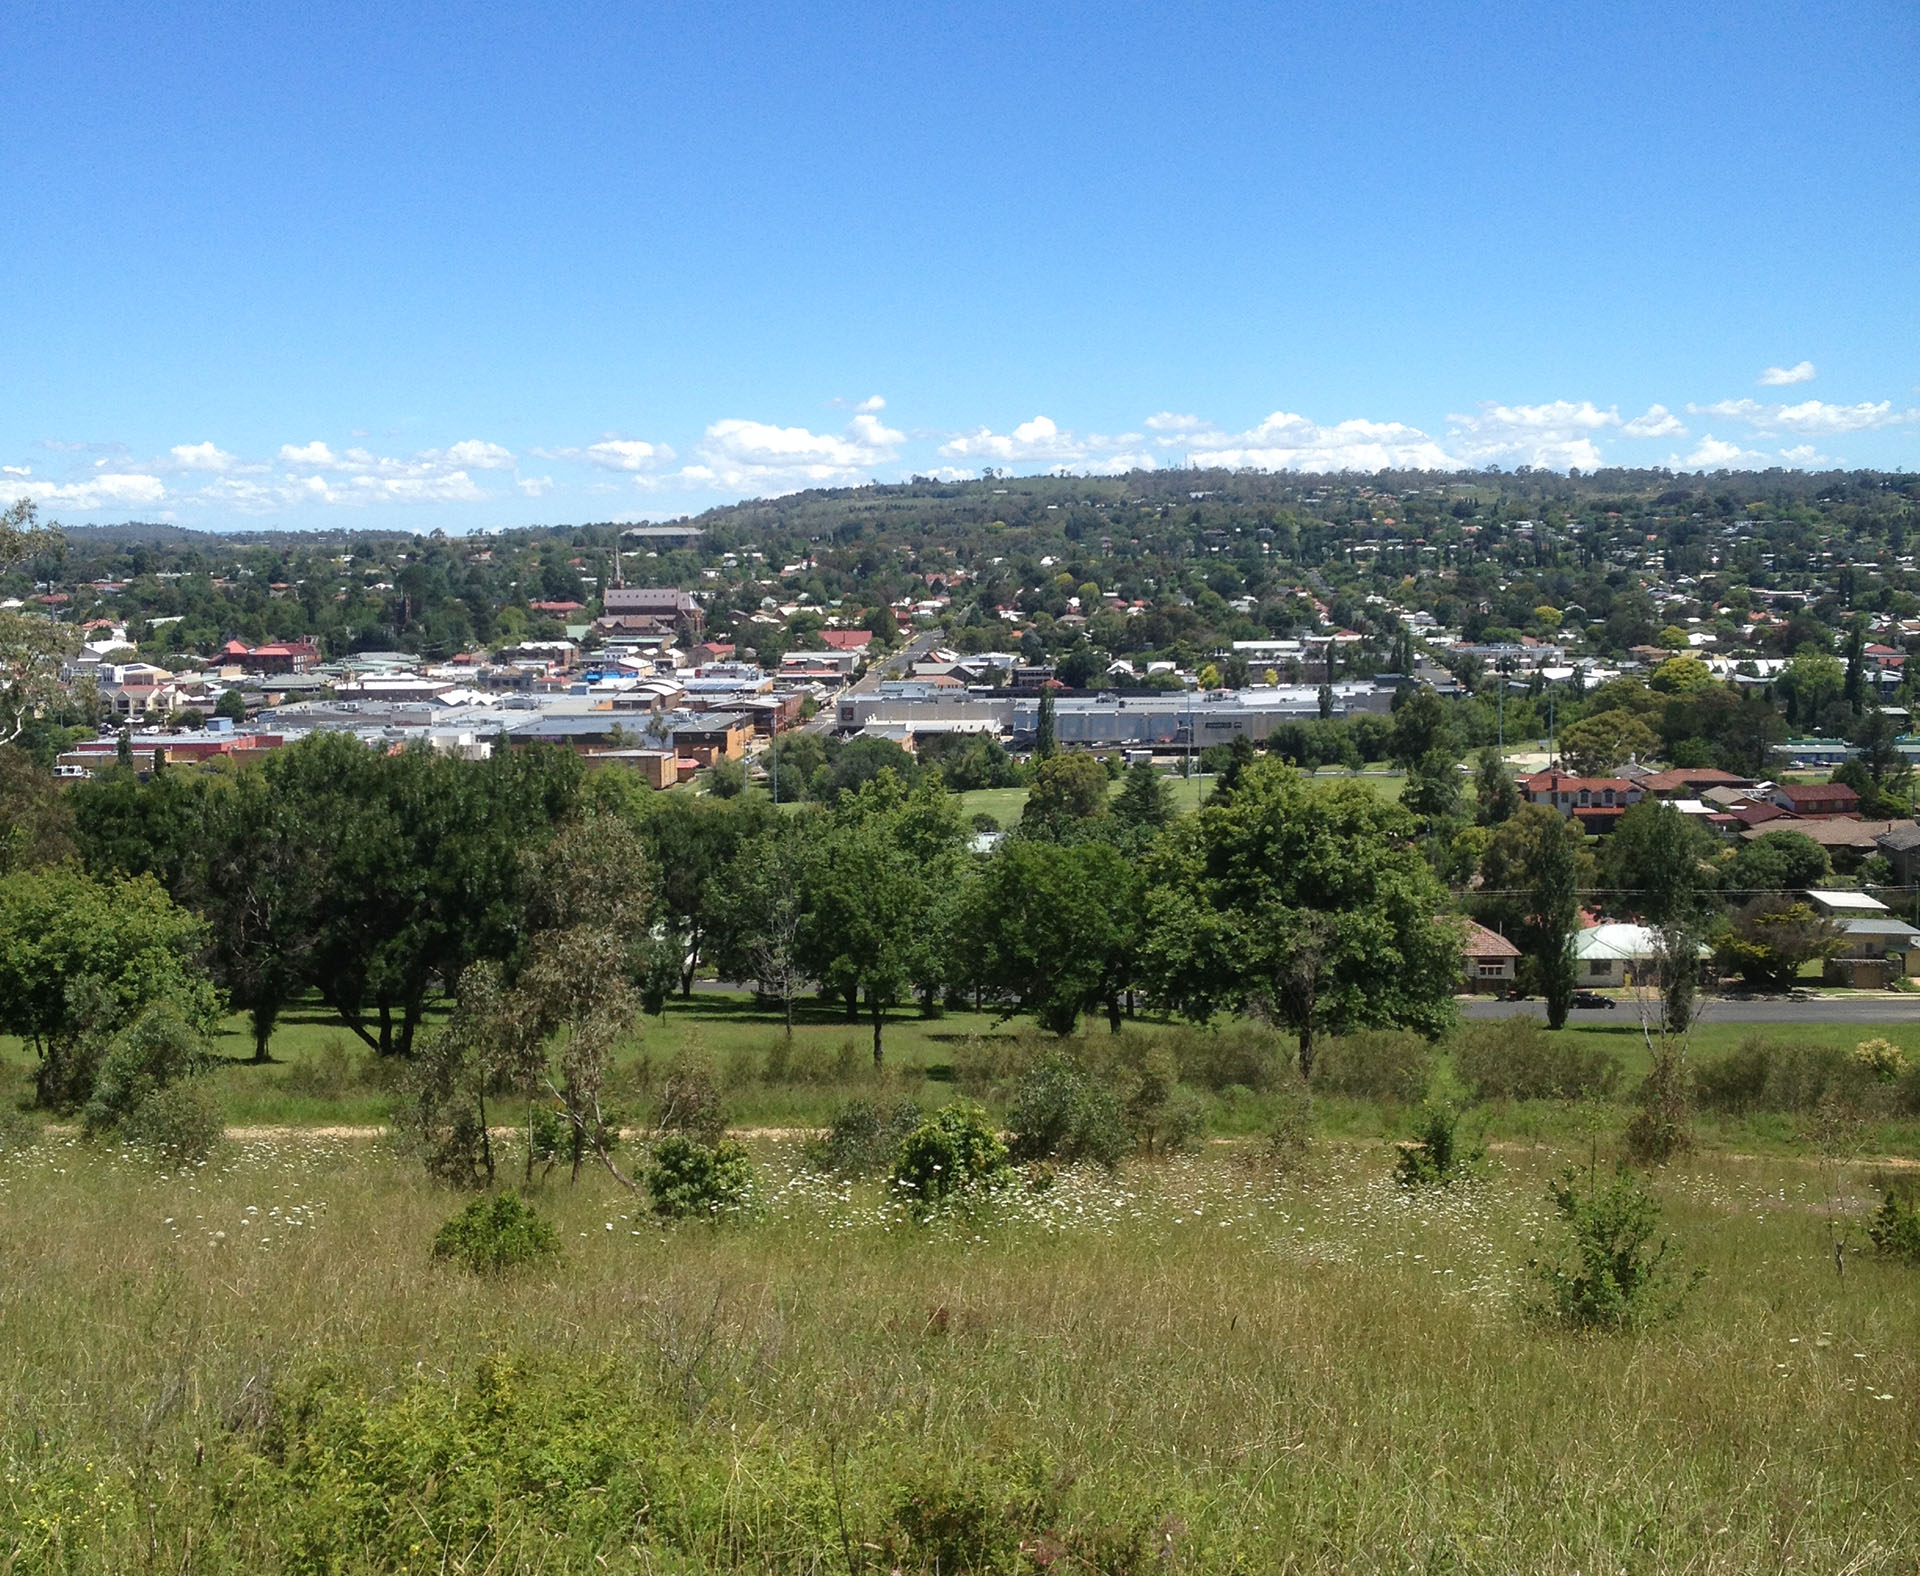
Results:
x,y
757,456
871,405
1042,441
102,490
1715,454
535,486
1172,421
201,457
473,454
1811,418
1037,440
16,470
1780,377
1658,422
615,454
315,454
1556,435
1289,442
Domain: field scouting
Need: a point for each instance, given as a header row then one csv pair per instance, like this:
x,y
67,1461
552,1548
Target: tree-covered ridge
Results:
x,y
1180,563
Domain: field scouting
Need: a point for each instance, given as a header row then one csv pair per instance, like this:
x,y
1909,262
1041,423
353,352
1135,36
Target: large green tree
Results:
x,y
81,958
881,897
1657,865
1057,928
1311,905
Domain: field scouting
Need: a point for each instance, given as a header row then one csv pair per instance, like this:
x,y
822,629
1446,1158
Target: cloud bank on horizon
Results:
x,y
475,481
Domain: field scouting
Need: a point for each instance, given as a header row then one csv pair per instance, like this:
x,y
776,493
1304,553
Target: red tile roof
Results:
x,y
1480,942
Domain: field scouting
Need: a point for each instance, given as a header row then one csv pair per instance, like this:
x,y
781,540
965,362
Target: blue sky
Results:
x,y
481,266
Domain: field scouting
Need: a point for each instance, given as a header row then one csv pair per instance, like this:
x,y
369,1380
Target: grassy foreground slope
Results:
x,y
1193,1366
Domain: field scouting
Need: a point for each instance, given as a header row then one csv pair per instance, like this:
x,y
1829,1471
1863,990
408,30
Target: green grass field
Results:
x,y
1196,1365
323,1077
1006,804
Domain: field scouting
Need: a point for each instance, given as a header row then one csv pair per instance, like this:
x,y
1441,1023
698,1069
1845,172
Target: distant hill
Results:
x,y
161,534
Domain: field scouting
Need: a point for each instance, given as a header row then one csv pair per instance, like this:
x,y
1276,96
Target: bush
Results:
x,y
1240,1053
181,1124
1377,1064
690,1101
496,1234
1768,1075
865,1136
1662,1128
159,1048
1620,1277
954,1151
18,1131
1894,1230
1162,1113
1518,1059
1440,1155
1290,1136
688,1178
1881,1060
1062,1112
953,1524
334,1072
983,1062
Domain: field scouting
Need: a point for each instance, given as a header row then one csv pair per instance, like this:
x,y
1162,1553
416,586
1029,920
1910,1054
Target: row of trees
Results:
x,y
379,882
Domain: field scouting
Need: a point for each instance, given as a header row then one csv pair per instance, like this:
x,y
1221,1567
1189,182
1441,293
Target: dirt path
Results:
x,y
271,1134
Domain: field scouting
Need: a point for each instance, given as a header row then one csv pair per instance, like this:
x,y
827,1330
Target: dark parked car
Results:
x,y
1589,998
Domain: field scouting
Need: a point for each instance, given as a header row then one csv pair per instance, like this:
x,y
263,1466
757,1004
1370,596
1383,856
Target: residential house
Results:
x,y
1596,802
1877,948
1817,798
1617,954
1900,845
1488,959
1846,838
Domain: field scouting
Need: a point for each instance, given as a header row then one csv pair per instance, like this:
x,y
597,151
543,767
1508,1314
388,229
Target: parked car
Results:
x,y
1591,998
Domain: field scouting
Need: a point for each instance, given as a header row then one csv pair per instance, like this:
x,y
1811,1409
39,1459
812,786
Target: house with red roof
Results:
x,y
1487,958
1822,799
1595,802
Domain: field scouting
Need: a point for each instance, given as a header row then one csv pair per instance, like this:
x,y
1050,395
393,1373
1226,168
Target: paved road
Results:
x,y
827,718
1839,1009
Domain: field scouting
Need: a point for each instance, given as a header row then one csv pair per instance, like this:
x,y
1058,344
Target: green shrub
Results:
x,y
1769,1075
1063,1112
955,1151
1894,1230
864,1137
690,1101
1377,1064
1440,1154
1289,1143
335,1071
1881,1060
953,1524
181,1124
18,1130
688,1178
1163,1115
1519,1059
1619,1277
1238,1053
158,1049
983,1062
495,1234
